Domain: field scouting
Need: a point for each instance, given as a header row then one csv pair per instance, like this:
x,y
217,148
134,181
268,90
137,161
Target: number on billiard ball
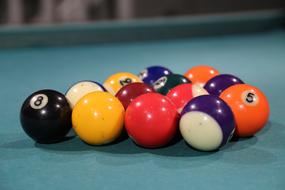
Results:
x,y
39,101
249,98
160,83
164,84
125,81
116,81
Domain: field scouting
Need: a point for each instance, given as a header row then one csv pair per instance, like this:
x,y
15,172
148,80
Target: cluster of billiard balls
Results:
x,y
205,107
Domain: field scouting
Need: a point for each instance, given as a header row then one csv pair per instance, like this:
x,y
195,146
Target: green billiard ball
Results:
x,y
164,84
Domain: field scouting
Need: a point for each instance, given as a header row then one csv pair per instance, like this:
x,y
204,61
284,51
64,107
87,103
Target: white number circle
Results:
x,y
250,98
125,81
39,101
159,83
143,74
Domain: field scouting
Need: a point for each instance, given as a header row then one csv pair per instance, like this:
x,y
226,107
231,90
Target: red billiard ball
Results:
x,y
151,120
183,93
129,92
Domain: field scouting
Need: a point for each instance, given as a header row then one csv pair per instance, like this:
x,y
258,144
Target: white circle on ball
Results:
x,y
160,83
201,131
143,74
125,81
250,98
39,101
80,89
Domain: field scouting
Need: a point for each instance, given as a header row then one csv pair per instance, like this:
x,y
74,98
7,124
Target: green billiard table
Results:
x,y
251,46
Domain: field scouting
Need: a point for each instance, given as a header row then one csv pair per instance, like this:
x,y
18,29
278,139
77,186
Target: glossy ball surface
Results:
x,y
219,83
116,81
151,120
201,74
164,84
129,92
98,118
46,116
80,89
207,123
250,107
153,73
180,95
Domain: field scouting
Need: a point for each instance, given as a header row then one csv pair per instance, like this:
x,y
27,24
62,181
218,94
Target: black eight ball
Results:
x,y
46,116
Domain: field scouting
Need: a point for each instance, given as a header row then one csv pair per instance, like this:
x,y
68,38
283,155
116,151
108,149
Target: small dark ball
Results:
x,y
46,116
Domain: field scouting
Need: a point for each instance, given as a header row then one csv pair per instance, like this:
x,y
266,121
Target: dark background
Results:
x,y
17,12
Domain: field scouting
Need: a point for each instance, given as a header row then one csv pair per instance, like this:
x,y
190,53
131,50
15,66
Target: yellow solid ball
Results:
x,y
98,118
116,81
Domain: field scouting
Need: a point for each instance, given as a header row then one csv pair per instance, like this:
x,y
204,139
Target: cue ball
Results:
x,y
129,92
98,118
164,84
79,89
151,120
250,107
116,81
46,116
219,83
153,73
201,74
207,123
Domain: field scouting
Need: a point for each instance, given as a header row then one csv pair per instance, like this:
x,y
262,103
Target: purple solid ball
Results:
x,y
217,109
218,84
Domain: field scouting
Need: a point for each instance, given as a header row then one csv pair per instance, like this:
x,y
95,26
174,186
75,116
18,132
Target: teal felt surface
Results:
x,y
254,163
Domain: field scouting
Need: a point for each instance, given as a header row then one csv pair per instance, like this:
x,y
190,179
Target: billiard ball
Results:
x,y
250,108
164,84
183,93
116,81
46,116
153,73
151,120
79,89
129,92
207,123
219,83
98,118
201,74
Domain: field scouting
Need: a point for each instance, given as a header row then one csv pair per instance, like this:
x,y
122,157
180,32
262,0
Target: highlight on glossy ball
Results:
x,y
250,107
80,89
151,74
98,118
46,116
201,74
183,93
207,123
219,83
129,92
151,120
116,81
164,84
